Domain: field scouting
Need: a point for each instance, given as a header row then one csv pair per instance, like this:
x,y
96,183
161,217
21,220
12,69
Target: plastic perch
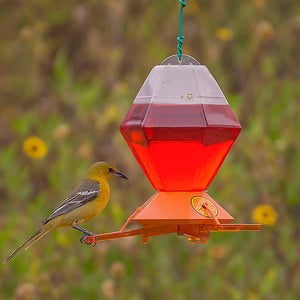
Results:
x,y
194,232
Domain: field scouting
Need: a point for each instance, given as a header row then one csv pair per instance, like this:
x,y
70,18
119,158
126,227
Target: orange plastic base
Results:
x,y
192,214
167,208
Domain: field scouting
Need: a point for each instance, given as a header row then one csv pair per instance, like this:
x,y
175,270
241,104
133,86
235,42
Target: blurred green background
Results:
x,y
69,71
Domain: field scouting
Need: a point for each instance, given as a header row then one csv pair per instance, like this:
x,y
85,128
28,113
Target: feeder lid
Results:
x,y
180,85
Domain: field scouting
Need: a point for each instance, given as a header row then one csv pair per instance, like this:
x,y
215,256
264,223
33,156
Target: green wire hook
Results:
x,y
181,37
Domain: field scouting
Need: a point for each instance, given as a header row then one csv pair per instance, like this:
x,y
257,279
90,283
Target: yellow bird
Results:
x,y
87,200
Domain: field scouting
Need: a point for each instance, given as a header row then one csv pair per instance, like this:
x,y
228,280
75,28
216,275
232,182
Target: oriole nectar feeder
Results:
x,y
180,128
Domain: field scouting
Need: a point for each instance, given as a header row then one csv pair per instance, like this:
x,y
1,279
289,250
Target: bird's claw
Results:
x,y
84,241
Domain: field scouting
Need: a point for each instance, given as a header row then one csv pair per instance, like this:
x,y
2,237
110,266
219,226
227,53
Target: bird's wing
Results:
x,y
86,191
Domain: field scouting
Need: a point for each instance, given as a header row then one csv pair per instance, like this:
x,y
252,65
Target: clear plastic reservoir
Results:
x,y
180,127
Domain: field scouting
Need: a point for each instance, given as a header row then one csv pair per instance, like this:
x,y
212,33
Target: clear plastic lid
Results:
x,y
191,86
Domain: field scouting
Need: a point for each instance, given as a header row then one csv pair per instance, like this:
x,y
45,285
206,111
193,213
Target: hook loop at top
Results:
x,y
181,37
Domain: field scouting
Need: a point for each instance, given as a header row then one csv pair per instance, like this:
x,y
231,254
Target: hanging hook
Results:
x,y
181,37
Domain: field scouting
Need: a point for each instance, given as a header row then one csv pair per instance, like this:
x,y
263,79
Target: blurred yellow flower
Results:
x,y
34,147
253,296
224,34
259,3
264,214
192,8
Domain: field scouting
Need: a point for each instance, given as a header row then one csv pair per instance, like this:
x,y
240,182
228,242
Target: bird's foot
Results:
x,y
83,240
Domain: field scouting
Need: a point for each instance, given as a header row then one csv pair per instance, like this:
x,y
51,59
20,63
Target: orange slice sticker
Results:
x,y
197,203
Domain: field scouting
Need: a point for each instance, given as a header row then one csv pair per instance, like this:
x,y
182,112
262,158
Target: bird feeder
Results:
x,y
180,129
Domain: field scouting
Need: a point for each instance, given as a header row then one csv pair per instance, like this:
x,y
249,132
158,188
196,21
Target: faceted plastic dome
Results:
x,y
180,127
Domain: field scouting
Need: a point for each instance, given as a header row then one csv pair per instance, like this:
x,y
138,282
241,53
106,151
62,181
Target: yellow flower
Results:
x,y
259,3
34,147
192,8
264,214
224,34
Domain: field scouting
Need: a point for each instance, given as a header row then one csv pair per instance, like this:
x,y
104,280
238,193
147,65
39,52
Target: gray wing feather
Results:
x,y
86,191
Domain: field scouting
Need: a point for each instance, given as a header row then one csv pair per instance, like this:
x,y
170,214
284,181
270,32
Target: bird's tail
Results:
x,y
40,233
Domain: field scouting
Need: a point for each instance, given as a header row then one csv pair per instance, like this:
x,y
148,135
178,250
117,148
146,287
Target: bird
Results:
x,y
86,201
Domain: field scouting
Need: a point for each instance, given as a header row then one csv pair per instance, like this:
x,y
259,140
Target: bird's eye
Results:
x,y
111,170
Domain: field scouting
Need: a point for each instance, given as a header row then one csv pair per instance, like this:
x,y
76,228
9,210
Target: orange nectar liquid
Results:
x,y
180,147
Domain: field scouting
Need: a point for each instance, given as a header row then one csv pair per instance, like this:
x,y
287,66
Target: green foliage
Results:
x,y
69,71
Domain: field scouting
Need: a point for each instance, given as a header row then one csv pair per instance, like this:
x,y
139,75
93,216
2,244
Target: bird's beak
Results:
x,y
119,174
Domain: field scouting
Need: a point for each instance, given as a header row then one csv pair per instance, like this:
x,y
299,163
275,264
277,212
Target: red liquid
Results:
x,y
180,147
